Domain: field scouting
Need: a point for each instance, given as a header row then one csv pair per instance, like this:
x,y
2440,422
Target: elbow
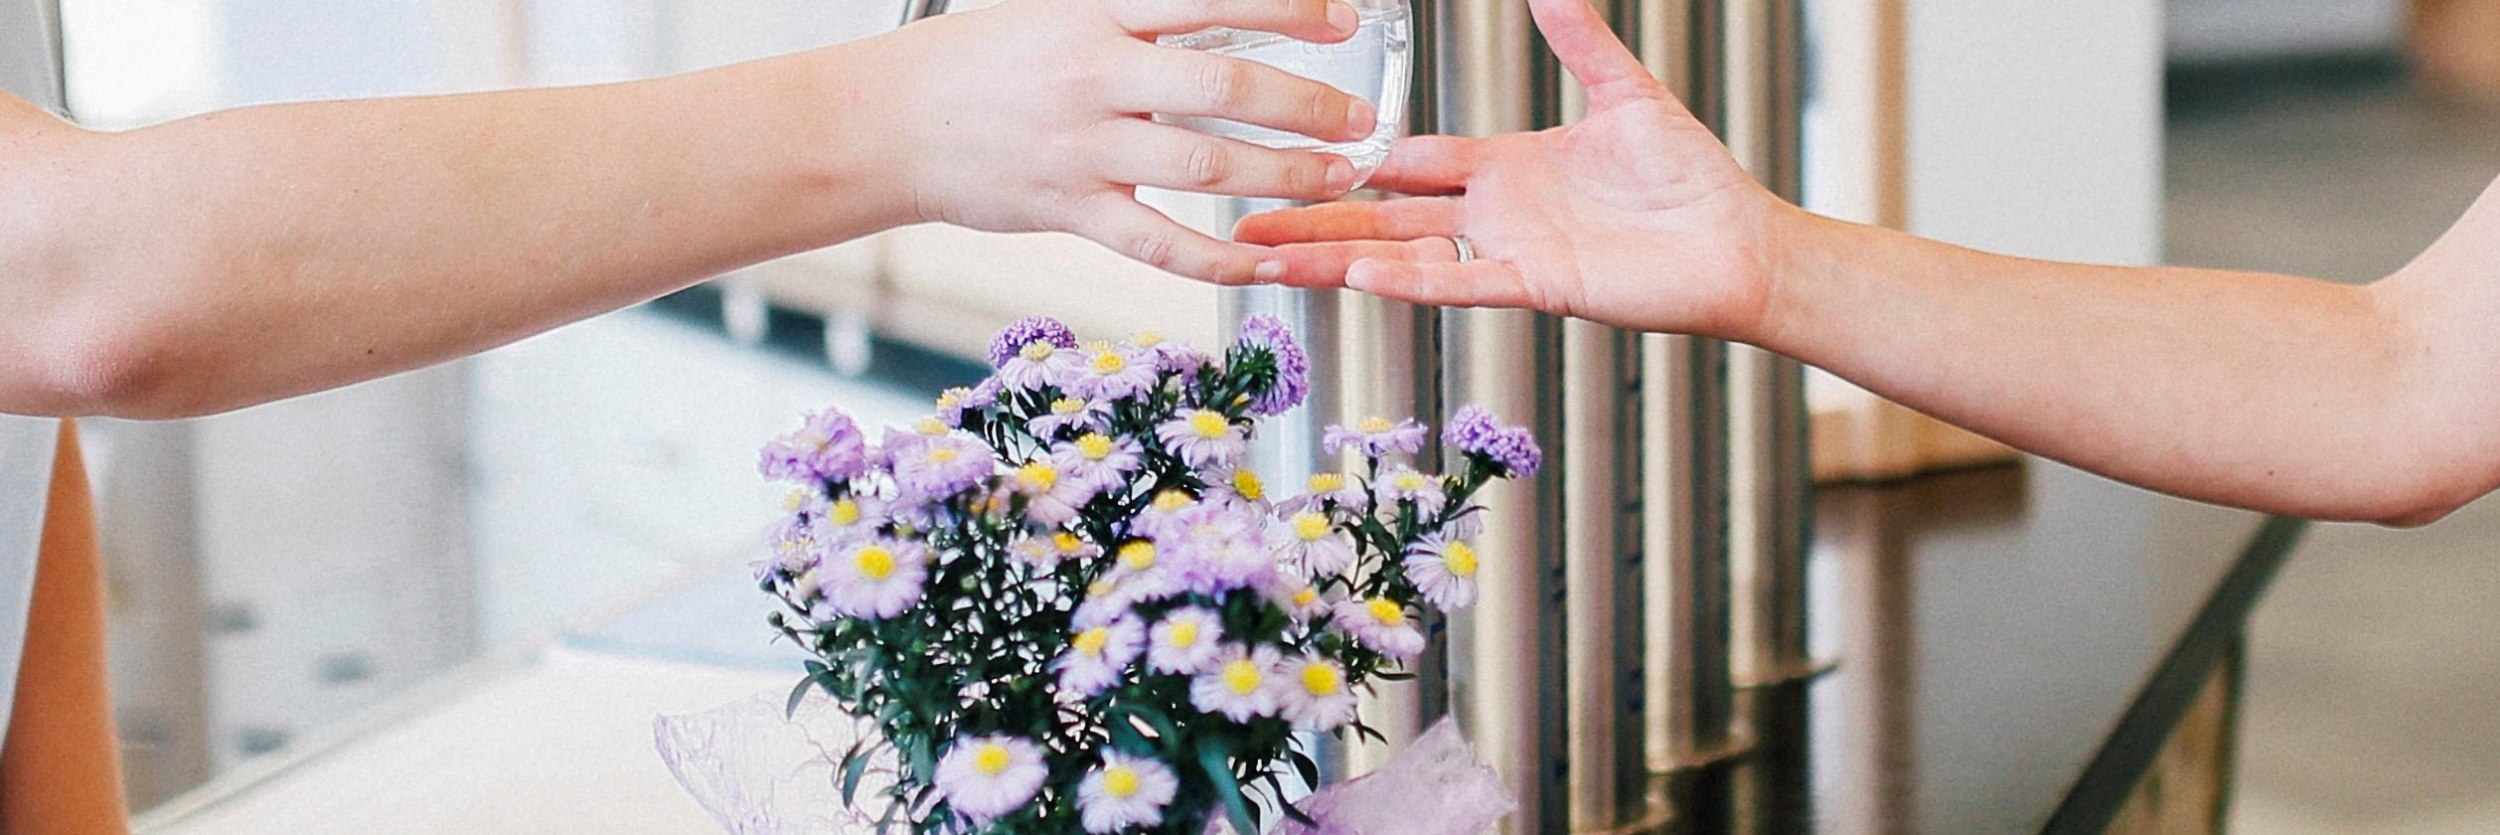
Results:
x,y
2423,507
108,367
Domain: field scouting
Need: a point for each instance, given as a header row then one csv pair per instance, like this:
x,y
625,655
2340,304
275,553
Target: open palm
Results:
x,y
1634,216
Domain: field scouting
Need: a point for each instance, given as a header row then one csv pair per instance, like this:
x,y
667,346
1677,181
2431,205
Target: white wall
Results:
x,y
2035,128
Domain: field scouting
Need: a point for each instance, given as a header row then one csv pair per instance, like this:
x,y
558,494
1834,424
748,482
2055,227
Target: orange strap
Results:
x,y
61,772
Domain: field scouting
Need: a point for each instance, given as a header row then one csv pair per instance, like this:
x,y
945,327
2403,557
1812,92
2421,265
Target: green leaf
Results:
x,y
852,768
1304,768
1214,759
797,694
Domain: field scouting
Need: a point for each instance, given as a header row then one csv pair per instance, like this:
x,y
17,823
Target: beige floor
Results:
x,y
2373,701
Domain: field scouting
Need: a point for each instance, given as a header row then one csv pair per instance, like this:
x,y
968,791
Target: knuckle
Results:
x,y
1324,107
1223,84
1154,249
1208,164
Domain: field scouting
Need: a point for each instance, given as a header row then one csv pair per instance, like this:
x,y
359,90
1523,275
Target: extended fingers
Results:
x,y
1180,82
1132,229
1589,49
1392,220
1428,165
1448,284
1322,21
1326,264
1169,157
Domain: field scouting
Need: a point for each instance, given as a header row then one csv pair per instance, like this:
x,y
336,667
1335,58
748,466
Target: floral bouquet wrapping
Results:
x,y
1063,604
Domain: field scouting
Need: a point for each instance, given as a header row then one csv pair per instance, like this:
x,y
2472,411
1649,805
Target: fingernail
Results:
x,y
1342,17
1269,272
1359,117
1340,174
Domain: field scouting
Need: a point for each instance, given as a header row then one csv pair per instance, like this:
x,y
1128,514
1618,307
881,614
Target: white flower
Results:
x,y
1303,602
1444,570
1316,697
1050,499
1404,483
986,777
875,579
1126,792
1241,686
1383,625
1205,438
1185,642
1096,656
848,518
1314,547
1070,413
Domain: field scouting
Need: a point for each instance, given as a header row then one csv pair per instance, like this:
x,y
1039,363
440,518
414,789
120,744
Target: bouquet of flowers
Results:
x,y
1065,604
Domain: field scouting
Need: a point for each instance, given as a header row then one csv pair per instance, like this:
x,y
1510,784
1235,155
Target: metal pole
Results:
x,y
1771,474
1685,432
1509,676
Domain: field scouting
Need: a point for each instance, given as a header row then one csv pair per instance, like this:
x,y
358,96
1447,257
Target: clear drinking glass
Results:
x,y
1374,65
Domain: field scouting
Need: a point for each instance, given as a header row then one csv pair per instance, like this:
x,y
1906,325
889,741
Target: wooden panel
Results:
x,y
2188,790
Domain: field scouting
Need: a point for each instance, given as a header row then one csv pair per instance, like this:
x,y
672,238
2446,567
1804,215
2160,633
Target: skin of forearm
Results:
x,y
279,250
2264,391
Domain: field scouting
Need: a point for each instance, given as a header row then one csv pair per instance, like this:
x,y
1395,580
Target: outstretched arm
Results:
x,y
2265,391
249,255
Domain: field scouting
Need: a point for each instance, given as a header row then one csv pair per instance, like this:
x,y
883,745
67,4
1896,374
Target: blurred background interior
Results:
x,y
281,576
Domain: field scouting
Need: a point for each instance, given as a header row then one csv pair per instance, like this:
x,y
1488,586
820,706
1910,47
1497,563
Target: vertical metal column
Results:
x,y
1771,476
1603,506
1685,434
1509,676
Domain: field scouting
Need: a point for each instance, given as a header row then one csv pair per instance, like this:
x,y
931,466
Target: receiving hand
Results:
x,y
1634,216
1035,115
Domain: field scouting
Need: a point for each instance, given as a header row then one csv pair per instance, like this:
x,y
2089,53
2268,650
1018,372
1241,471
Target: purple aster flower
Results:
x,y
1405,484
951,406
1105,372
1473,431
1375,437
938,466
1027,331
1051,497
1216,546
1070,413
1098,655
1040,365
1098,459
828,447
1293,370
1205,438
1181,359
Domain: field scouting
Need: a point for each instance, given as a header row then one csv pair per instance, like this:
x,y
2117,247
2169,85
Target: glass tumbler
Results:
x,y
1374,66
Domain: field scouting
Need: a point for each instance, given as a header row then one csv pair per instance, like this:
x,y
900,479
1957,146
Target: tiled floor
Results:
x,y
2374,674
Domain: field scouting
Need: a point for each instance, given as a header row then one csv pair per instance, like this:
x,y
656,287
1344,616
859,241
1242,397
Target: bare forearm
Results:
x,y
287,249
2265,391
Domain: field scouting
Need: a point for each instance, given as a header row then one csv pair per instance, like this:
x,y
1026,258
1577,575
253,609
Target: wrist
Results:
x,y
1800,251
853,156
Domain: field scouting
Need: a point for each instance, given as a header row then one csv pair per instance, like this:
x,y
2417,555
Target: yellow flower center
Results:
x,y
874,562
1109,362
1138,555
1120,781
1386,611
1322,680
951,398
1098,588
1146,339
1307,596
1310,527
844,512
929,426
794,500
1038,476
1327,482
1459,558
942,455
1170,501
1066,406
1094,446
1184,634
1374,425
1411,481
1248,485
1209,424
812,442
1092,641
991,759
1243,677
1038,350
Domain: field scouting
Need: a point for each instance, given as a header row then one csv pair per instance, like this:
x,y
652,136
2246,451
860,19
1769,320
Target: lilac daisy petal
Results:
x,y
1027,331
1293,369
